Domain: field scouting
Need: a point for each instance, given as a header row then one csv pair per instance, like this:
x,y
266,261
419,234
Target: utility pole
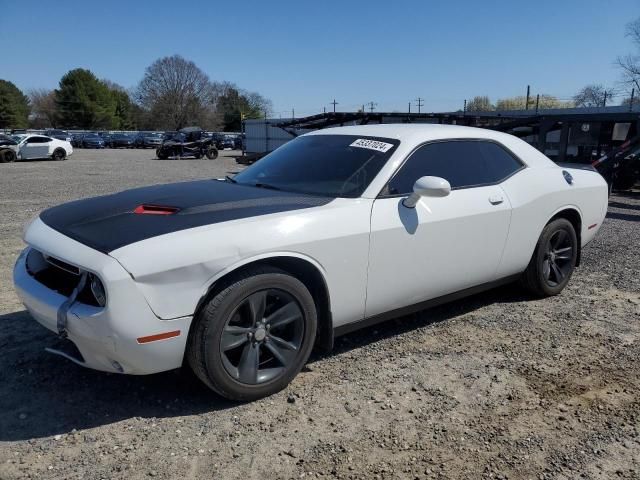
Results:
x,y
633,91
604,101
526,104
537,102
464,108
409,108
324,110
371,106
334,103
293,114
420,103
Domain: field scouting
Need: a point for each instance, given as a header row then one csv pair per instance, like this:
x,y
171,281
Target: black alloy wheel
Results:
x,y
254,334
261,337
558,256
553,260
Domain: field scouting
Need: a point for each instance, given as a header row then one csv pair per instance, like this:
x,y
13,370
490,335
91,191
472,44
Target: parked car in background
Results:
x,y
92,140
336,230
226,142
76,140
106,136
238,142
59,134
8,149
31,147
148,140
121,140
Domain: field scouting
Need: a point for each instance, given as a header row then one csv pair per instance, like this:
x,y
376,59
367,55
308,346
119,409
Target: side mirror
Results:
x,y
427,187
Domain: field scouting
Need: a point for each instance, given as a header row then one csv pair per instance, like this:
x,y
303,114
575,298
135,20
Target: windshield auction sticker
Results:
x,y
372,145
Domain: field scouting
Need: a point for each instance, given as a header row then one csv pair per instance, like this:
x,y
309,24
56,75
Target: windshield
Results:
x,y
329,165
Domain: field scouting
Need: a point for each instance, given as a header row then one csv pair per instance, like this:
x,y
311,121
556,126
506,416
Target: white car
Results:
x,y
31,147
336,230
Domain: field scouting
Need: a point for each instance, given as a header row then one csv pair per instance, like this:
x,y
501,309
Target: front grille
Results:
x,y
59,276
62,265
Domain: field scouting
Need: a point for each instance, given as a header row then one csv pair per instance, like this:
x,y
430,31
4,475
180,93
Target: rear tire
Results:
x,y
232,346
7,156
553,260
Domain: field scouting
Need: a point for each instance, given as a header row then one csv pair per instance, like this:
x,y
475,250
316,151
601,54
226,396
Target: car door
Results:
x,y
446,244
35,147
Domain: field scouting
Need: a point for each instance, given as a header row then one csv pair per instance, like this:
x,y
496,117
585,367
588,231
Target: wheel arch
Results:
x,y
573,215
302,267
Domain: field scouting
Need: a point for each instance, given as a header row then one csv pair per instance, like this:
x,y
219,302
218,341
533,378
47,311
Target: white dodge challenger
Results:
x,y
336,230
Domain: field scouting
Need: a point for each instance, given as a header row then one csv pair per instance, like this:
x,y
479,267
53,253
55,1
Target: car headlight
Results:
x,y
97,288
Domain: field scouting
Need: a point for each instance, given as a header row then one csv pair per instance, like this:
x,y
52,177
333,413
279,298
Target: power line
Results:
x,y
372,106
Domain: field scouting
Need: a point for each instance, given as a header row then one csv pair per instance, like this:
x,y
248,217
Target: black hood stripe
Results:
x,y
254,203
107,223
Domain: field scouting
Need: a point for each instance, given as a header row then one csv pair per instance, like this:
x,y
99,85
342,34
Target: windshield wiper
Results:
x,y
230,179
266,185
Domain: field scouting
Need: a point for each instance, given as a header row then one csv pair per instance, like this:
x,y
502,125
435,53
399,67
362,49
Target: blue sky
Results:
x,y
303,54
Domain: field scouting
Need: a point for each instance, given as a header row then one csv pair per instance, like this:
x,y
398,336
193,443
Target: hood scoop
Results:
x,y
145,209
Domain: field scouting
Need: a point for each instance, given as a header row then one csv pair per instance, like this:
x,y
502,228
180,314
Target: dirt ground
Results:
x,y
495,386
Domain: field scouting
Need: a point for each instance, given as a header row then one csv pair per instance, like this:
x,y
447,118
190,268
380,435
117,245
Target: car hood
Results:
x,y
110,222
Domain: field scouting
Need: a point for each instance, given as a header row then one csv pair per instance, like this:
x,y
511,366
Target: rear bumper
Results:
x,y
107,338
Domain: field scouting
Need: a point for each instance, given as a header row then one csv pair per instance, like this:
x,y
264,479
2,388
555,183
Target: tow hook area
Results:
x,y
64,308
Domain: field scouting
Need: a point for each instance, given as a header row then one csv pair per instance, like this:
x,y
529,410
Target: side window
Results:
x,y
499,162
38,140
463,163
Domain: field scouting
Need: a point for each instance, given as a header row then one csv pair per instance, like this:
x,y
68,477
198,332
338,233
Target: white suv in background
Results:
x,y
40,146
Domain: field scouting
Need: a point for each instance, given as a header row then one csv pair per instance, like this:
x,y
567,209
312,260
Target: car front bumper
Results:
x,y
114,338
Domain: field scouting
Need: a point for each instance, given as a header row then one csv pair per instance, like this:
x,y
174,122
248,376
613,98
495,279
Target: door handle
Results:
x,y
496,199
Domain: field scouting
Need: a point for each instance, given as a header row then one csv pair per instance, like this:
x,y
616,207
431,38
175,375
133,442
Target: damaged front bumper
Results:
x,y
107,338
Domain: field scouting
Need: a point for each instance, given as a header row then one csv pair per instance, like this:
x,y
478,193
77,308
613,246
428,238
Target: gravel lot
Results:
x,y
495,386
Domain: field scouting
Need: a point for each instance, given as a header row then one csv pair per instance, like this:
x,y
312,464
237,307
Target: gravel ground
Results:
x,y
496,386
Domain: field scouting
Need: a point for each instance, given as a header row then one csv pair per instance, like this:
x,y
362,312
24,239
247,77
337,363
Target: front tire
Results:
x,y
212,153
254,335
553,260
59,154
161,154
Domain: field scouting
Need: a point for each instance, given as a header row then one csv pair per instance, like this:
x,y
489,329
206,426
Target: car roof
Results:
x,y
409,132
29,135
412,135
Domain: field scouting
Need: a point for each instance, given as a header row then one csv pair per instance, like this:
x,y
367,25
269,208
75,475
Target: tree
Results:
x,y
234,104
518,103
175,92
83,101
480,104
124,116
630,64
44,109
14,106
592,96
